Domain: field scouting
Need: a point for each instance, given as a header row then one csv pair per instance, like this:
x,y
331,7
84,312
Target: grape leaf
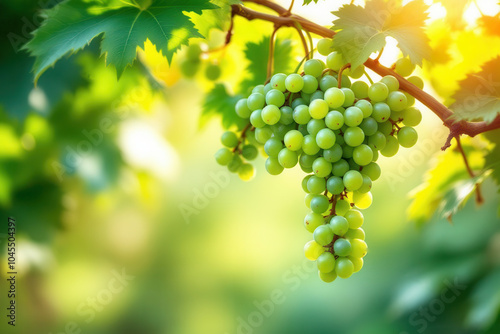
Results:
x,y
455,12
492,159
363,30
306,2
214,18
219,102
479,94
485,302
257,55
490,24
72,24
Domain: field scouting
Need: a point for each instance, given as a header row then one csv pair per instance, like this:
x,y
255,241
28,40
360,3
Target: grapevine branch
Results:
x,y
285,18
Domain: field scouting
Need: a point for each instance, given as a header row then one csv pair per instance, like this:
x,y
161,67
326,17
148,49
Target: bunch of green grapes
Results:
x,y
193,62
335,130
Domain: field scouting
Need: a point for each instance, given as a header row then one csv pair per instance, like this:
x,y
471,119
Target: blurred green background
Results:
x,y
126,224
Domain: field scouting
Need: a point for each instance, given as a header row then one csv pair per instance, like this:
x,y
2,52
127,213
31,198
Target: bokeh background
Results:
x,y
127,225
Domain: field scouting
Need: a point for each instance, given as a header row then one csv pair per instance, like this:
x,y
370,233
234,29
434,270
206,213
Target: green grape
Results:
x,y
334,120
316,185
325,46
378,140
267,88
357,233
328,277
258,89
273,166
410,99
385,128
189,68
353,116
356,262
397,101
360,89
278,82
193,52
318,109
246,172
391,82
358,248
355,218
327,82
325,138
307,200
362,155
249,152
333,154
293,140
335,97
346,82
313,250
369,126
280,130
286,115
404,67
412,116
234,164
362,201
301,114
349,97
335,185
288,158
342,207
309,145
342,247
340,168
381,112
326,262
319,203
391,147
396,116
298,102
340,137
242,109
353,180
317,95
372,170
321,167
304,183
417,81
229,139
212,72
352,164
378,92
263,134
271,114
314,125
256,119
306,97
347,152
255,101
310,84
339,225
223,156
306,161
312,221
334,61
313,67
294,83
358,72
344,267
275,97
366,107
354,136
407,136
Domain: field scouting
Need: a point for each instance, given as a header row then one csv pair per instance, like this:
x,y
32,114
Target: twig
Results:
x,y
339,77
479,197
270,60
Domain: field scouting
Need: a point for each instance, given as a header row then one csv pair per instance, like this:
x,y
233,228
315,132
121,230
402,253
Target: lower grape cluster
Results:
x,y
335,130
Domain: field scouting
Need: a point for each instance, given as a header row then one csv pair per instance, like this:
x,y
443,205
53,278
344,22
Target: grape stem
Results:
x,y
339,77
243,136
285,18
270,60
479,197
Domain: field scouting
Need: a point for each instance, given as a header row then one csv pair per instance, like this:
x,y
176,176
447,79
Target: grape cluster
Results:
x,y
193,62
335,130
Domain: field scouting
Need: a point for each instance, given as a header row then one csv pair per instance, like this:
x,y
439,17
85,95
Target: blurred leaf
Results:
x,y
219,102
440,42
306,2
479,94
490,24
442,189
485,302
492,159
363,30
214,18
455,11
70,26
257,55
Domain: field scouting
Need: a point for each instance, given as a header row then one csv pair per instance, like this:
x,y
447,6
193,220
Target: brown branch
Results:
x,y
287,19
479,197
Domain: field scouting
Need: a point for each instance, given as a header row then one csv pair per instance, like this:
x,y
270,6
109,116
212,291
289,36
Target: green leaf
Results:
x,y
73,24
492,159
485,302
215,18
479,95
306,2
257,54
363,30
219,102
